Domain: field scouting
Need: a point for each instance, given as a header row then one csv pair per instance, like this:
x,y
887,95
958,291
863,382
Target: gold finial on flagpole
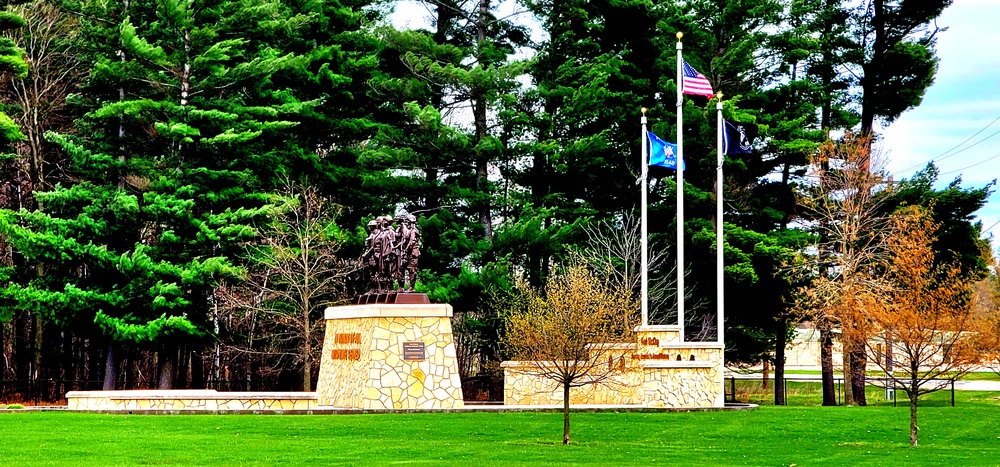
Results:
x,y
719,94
680,35
643,110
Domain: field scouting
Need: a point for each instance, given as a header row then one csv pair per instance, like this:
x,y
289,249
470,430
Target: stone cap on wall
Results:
x,y
658,328
384,310
678,364
690,345
188,394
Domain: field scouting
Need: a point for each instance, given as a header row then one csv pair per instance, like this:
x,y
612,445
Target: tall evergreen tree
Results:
x,y
893,48
180,112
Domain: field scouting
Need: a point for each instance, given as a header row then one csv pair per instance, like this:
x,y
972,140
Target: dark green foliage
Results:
x,y
959,238
176,143
11,64
893,55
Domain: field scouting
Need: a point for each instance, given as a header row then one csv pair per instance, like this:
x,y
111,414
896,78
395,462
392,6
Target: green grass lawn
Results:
x,y
974,376
809,394
968,434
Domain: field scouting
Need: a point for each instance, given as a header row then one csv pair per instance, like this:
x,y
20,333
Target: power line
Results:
x,y
943,156
970,166
991,227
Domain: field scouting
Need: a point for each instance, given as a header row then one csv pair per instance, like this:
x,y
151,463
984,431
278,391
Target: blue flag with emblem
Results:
x,y
662,153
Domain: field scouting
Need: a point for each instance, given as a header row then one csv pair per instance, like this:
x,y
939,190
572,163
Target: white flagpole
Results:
x,y
644,262
719,296
680,186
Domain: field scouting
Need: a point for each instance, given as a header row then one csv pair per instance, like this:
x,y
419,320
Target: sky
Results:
x,y
964,99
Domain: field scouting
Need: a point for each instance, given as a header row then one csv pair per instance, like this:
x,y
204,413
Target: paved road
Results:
x,y
959,385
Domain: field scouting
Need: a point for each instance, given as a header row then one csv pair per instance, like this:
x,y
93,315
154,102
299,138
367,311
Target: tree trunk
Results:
x,y
110,368
307,367
859,363
197,371
36,361
779,366
481,125
913,414
3,355
167,358
22,344
765,373
848,374
826,363
566,413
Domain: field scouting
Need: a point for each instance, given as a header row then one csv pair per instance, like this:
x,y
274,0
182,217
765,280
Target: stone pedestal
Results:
x,y
389,356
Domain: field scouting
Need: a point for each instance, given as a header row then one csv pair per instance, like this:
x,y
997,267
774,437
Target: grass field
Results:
x,y
809,394
968,434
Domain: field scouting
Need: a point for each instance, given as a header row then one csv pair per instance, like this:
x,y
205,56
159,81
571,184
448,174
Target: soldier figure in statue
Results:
x,y
368,259
409,251
386,249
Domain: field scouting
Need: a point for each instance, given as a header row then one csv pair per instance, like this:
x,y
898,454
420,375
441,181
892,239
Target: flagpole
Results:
x,y
719,295
680,186
643,239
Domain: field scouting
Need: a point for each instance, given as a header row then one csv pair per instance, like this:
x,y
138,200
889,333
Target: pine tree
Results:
x,y
180,113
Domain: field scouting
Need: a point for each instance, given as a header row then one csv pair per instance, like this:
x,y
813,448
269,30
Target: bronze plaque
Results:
x,y
413,351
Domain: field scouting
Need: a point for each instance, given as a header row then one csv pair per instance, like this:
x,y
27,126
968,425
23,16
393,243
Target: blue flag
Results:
x,y
662,153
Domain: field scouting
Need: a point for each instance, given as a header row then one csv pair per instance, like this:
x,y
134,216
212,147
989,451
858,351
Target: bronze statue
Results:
x,y
391,256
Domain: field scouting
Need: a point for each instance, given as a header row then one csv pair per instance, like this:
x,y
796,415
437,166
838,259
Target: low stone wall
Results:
x,y
655,371
193,400
522,385
383,356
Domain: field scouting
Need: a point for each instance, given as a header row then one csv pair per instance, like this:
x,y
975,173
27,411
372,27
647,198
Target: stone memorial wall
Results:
x,y
656,371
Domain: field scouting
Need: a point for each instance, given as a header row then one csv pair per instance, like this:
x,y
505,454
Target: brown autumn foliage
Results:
x,y
557,329
846,208
926,314
989,309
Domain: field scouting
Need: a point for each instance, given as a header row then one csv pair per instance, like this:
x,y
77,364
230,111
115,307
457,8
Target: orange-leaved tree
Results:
x,y
845,205
560,332
927,313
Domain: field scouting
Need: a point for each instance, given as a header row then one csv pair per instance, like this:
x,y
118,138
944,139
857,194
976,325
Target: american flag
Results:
x,y
696,83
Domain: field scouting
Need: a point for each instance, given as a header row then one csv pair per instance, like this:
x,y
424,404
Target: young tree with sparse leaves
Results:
x,y
560,329
924,310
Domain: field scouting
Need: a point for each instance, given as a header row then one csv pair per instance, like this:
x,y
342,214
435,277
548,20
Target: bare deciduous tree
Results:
x,y
561,330
40,97
613,252
926,312
294,275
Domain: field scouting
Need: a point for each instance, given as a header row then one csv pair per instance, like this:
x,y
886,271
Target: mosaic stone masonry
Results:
x,y
387,356
193,400
658,371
